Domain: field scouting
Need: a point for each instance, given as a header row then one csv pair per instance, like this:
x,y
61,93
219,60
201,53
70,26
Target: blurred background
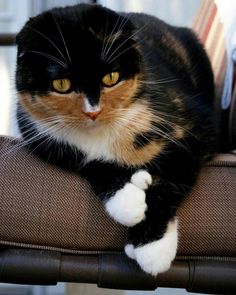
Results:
x,y
13,14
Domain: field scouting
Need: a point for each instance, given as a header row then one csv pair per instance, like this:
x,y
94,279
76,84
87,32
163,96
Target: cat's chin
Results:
x,y
91,126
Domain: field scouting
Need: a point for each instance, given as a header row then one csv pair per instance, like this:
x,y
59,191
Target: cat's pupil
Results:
x,y
111,79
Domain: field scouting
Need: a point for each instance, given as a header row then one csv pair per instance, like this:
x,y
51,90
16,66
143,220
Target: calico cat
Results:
x,y
127,101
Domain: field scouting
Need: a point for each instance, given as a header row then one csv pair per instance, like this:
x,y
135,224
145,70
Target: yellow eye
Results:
x,y
111,79
61,85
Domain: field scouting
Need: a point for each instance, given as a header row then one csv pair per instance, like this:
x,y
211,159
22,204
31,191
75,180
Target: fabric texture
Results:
x,y
45,207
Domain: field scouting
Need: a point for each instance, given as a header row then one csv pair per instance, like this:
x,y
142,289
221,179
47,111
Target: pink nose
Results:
x,y
93,115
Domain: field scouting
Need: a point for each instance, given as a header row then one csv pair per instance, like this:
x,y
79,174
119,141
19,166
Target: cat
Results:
x,y
127,101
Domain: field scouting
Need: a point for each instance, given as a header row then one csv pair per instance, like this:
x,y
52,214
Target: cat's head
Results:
x,y
77,65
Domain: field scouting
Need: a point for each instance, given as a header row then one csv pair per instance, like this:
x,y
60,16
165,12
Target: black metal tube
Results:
x,y
119,272
116,271
24,266
79,268
212,277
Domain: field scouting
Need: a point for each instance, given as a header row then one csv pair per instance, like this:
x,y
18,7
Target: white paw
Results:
x,y
128,205
129,251
142,179
156,257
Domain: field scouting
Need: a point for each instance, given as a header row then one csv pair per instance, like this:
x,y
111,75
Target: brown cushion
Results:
x,y
45,207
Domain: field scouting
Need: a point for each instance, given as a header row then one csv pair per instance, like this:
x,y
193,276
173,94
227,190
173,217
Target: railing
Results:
x,y
7,39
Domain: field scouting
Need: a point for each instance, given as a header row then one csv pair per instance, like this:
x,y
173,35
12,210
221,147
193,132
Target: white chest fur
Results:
x,y
95,143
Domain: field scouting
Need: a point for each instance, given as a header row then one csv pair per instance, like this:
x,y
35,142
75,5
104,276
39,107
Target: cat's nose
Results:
x,y
91,111
93,115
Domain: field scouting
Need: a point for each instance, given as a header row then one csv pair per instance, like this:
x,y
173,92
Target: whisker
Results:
x,y
49,40
126,19
22,144
64,65
119,29
62,37
141,124
162,134
158,81
130,37
105,52
104,44
122,52
110,61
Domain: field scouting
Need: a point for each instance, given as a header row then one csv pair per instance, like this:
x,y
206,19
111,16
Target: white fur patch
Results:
x,y
95,141
129,251
87,107
128,205
156,257
141,179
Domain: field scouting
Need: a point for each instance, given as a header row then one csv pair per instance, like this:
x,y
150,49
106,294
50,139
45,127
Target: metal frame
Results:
x,y
39,267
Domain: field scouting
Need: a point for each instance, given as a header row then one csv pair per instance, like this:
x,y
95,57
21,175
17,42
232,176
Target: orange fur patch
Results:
x,y
138,122
119,96
127,154
51,106
178,133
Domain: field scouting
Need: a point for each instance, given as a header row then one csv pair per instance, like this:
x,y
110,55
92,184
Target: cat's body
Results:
x,y
127,101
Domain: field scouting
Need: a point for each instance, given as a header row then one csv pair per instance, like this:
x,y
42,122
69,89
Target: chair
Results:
x,y
53,229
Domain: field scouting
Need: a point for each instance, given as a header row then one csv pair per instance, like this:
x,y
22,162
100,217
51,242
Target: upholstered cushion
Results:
x,y
45,207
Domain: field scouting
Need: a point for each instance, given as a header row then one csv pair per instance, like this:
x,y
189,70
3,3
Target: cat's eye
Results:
x,y
111,79
61,85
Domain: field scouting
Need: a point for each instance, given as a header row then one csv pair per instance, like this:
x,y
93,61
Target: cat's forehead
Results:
x,y
80,29
81,21
93,18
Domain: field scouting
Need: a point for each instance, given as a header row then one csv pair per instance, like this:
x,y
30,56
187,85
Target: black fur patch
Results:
x,y
160,132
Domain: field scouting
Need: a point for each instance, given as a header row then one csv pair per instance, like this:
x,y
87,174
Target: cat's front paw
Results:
x,y
142,179
128,205
156,257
